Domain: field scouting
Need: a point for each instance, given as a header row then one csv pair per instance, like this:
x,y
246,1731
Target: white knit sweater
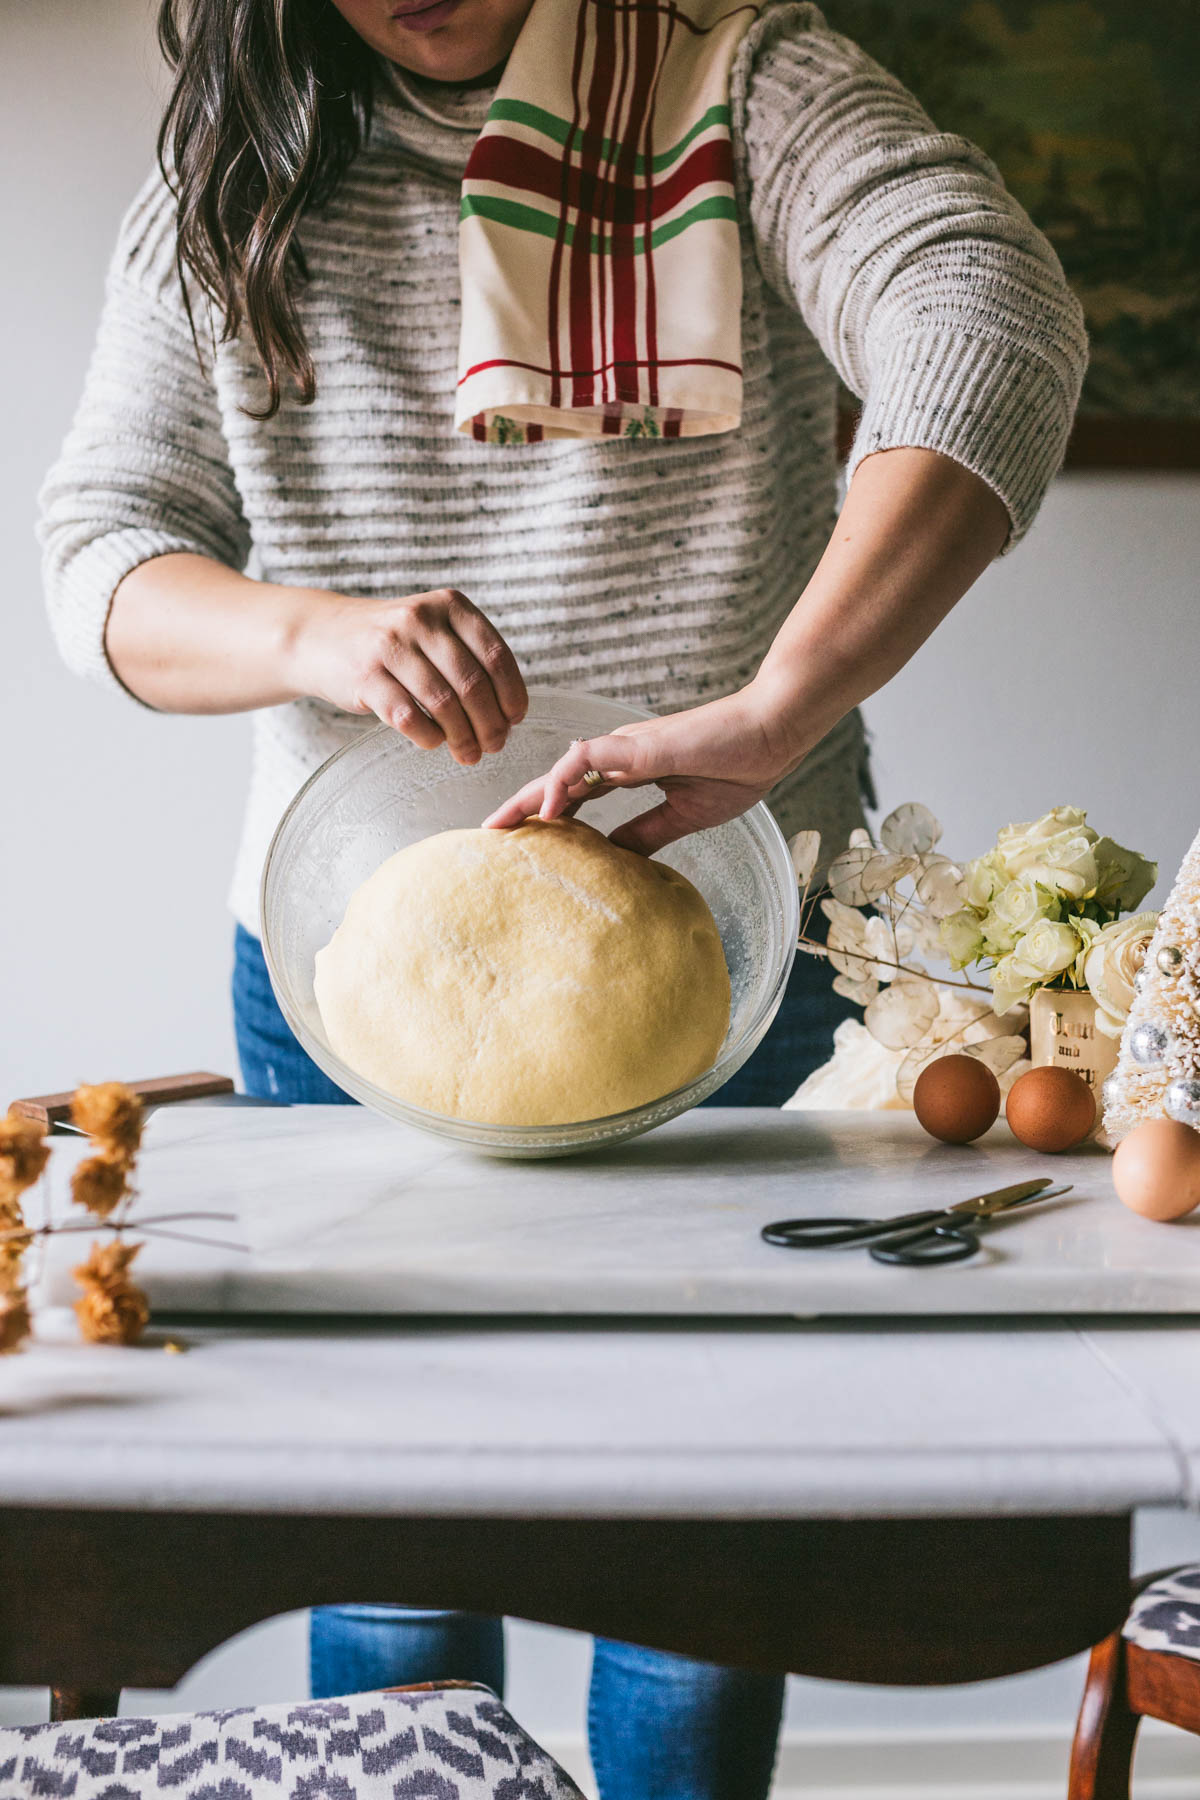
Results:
x,y
654,572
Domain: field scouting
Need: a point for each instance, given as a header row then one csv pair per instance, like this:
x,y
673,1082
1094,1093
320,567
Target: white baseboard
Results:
x,y
940,1766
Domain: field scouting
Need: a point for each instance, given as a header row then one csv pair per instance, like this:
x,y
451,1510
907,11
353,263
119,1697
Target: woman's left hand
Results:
x,y
712,763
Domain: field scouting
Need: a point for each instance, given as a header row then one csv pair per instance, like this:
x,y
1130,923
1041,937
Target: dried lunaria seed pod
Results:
x,y
14,1242
805,850
911,830
100,1184
900,1016
112,1308
111,1113
15,1323
23,1154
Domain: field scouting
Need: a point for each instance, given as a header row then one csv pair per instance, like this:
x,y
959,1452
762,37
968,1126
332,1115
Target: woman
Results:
x,y
275,378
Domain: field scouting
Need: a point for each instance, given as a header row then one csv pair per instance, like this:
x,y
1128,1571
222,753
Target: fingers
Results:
x,y
623,761
651,831
432,691
494,656
416,700
522,806
453,662
393,705
473,687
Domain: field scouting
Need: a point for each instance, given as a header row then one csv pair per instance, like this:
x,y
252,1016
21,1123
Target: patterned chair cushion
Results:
x,y
1166,1615
453,1742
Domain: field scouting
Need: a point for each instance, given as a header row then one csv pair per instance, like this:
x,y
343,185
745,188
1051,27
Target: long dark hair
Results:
x,y
271,100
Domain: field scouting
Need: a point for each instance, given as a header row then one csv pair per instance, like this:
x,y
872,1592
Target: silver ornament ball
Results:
x,y
1182,1101
1148,1044
1169,958
1110,1092
1139,981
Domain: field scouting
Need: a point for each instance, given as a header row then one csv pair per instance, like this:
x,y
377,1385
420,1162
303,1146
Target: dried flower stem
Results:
x,y
816,948
112,1308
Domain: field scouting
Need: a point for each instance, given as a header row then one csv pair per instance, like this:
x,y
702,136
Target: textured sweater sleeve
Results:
x,y
926,285
144,470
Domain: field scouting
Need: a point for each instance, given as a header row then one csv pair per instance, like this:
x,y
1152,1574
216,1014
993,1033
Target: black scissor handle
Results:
x,y
927,1246
827,1234
819,1234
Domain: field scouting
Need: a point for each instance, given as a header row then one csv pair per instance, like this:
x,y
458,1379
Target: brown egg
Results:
x,y
1050,1109
956,1098
1156,1169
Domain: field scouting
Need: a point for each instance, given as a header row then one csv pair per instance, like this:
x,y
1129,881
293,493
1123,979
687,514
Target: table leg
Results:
x,y
84,1703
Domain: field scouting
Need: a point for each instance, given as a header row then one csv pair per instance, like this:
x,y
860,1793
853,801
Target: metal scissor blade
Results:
x,y
1050,1193
982,1205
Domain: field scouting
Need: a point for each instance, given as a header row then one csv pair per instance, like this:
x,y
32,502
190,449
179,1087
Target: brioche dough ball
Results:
x,y
537,976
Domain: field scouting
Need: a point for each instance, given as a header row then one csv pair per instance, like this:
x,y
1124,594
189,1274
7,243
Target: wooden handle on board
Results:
x,y
161,1090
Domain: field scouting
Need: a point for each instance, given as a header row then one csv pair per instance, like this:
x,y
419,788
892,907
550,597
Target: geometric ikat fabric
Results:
x,y
441,1743
1166,1615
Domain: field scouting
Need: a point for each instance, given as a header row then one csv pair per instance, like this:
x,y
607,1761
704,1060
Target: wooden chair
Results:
x,y
1150,1669
448,1740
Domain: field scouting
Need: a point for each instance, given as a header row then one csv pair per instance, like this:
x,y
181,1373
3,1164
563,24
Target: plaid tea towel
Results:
x,y
598,242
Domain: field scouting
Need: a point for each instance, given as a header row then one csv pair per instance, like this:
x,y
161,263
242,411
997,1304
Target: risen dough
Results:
x,y
537,976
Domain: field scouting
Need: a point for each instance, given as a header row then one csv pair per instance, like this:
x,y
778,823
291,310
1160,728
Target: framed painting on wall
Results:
x,y
1091,111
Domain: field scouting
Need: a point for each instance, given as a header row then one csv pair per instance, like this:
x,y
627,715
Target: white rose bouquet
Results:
x,y
886,906
1043,909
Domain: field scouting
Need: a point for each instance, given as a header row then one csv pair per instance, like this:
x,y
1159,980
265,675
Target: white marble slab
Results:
x,y
342,1211
728,1420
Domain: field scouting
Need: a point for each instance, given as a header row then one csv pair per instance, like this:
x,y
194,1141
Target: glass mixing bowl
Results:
x,y
380,793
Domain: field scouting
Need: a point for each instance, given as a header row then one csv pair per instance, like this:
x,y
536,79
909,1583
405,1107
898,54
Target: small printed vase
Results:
x,y
1063,1035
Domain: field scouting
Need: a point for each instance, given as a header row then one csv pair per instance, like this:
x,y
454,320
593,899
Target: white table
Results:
x,y
846,1499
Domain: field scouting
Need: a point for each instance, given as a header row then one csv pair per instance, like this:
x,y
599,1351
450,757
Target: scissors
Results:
x,y
944,1234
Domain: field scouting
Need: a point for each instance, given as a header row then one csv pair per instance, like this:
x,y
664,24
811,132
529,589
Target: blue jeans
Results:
x,y
660,1727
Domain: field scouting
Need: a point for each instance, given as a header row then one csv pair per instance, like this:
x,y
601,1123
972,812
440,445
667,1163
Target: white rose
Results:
x,y
1016,840
1066,864
983,878
1020,903
1113,959
1045,951
1017,906
961,937
1009,988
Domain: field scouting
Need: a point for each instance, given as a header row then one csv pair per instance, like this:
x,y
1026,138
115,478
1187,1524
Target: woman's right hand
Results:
x,y
430,665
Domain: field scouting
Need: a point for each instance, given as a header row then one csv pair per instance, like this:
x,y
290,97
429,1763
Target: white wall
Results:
x,y
1066,676
114,942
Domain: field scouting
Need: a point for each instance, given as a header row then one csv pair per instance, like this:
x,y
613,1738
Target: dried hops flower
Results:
x,y
100,1184
112,1308
112,1115
23,1155
15,1240
15,1323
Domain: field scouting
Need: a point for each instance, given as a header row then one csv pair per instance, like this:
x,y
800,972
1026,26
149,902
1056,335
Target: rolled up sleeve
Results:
x,y
144,469
927,286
